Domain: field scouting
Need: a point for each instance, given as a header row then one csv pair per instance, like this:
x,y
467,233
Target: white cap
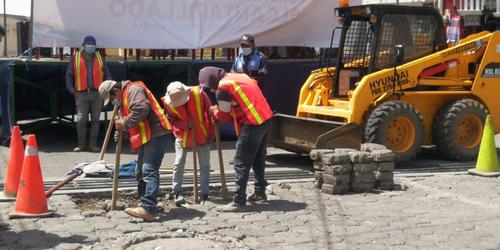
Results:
x,y
104,90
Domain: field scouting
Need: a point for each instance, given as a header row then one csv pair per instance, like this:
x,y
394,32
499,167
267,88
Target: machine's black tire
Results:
x,y
378,124
445,129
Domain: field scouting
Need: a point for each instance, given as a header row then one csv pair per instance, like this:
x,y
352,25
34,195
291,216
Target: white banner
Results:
x,y
183,24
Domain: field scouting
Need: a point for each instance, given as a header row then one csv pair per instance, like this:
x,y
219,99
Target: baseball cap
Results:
x,y
105,89
247,39
177,94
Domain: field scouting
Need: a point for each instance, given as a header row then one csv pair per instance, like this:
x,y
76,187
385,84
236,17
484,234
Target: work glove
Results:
x,y
116,136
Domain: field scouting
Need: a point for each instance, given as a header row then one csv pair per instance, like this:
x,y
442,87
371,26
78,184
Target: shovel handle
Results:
x,y
221,161
62,183
114,195
108,133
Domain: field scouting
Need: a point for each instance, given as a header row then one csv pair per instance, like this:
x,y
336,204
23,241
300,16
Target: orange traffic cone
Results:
x,y
14,166
31,201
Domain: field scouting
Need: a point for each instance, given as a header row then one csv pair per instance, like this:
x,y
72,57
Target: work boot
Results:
x,y
95,148
258,197
204,198
232,207
79,148
140,212
179,199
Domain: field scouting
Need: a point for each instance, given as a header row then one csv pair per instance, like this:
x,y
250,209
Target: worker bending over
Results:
x,y
188,111
148,128
240,98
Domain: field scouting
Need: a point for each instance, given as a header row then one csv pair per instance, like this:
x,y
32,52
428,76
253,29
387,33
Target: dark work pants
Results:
x,y
250,154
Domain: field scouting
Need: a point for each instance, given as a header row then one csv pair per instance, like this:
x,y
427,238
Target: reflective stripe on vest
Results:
x,y
196,92
185,135
173,110
245,100
81,83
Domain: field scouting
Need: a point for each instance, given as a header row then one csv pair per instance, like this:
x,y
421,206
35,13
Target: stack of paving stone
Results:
x,y
341,170
384,159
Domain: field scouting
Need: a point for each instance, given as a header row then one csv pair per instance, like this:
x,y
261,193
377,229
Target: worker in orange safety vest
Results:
x,y
149,129
188,110
240,99
86,70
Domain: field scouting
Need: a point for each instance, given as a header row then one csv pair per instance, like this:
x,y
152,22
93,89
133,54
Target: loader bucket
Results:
x,y
301,135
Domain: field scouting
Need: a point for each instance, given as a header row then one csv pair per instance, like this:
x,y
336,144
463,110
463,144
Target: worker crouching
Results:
x,y
240,98
148,128
188,110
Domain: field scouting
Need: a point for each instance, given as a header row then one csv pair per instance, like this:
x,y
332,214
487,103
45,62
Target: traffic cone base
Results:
x,y
4,196
18,215
487,159
483,174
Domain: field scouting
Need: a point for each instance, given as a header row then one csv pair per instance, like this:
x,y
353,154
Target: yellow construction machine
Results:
x,y
396,82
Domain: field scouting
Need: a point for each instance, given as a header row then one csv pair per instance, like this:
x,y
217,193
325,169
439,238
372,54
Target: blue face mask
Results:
x,y
116,103
90,48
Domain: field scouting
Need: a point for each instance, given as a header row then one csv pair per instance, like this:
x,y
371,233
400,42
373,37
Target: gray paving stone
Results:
x,y
233,233
79,227
335,158
340,180
382,155
338,169
335,189
369,147
109,234
362,187
387,166
384,176
155,229
317,165
316,154
357,177
364,167
129,228
360,157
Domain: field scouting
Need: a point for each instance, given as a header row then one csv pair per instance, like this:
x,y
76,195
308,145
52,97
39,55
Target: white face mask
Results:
x,y
246,51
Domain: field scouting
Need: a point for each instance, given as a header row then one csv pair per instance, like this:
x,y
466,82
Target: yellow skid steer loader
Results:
x,y
396,82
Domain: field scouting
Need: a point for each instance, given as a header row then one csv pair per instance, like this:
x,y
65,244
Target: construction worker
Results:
x,y
86,70
250,61
148,129
188,111
240,98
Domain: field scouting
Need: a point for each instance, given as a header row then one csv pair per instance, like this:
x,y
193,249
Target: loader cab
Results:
x,y
369,34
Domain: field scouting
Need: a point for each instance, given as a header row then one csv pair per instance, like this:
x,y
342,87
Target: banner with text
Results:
x,y
176,24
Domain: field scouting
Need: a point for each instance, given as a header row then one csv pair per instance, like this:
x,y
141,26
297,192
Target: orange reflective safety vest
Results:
x,y
141,134
245,91
80,71
194,109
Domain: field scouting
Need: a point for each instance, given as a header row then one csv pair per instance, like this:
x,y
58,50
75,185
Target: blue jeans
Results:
x,y
250,154
203,154
147,171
